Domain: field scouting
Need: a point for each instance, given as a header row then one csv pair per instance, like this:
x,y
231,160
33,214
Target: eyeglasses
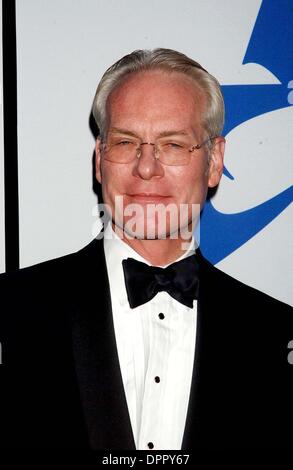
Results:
x,y
122,150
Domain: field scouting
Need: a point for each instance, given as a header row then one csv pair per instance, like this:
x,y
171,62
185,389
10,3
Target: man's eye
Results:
x,y
173,146
124,143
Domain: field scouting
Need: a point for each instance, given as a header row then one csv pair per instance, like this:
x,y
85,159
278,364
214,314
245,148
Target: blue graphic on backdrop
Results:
x,y
271,46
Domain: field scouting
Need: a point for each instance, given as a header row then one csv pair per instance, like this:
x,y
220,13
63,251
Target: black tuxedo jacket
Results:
x,y
61,384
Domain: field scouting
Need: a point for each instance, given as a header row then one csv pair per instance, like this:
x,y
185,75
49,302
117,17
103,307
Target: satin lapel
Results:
x,y
192,419
213,411
206,306
96,358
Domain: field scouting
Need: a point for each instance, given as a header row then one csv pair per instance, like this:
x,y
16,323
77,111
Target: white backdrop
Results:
x,y
63,47
2,233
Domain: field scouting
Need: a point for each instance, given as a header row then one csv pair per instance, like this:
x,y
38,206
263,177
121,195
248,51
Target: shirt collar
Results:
x,y
116,250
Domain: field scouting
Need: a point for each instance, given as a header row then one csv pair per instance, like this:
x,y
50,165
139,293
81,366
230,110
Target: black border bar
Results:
x,y
10,135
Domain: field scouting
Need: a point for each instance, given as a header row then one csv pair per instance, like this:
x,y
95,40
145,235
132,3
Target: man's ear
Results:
x,y
98,161
216,164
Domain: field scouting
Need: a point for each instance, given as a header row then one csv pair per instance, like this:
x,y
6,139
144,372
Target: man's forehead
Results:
x,y
153,103
151,83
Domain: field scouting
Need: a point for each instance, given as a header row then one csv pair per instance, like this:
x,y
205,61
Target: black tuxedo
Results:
x,y
61,384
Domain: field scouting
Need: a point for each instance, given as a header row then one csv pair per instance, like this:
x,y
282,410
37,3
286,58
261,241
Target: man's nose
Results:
x,y
147,165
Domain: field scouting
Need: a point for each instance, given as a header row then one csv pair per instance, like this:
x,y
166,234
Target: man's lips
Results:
x,y
148,197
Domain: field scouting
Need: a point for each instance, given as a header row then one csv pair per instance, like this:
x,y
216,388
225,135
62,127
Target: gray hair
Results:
x,y
169,61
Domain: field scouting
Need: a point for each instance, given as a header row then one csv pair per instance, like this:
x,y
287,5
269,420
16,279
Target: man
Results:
x,y
136,342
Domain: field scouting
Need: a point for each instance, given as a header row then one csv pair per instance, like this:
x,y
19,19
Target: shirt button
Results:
x,y
157,379
150,445
161,316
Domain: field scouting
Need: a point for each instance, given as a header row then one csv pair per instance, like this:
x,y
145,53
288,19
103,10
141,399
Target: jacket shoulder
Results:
x,y
43,293
225,285
54,269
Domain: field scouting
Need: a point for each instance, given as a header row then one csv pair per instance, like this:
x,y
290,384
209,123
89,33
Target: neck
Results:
x,y
158,252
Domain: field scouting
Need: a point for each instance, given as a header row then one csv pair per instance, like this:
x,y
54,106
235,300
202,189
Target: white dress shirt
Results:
x,y
156,344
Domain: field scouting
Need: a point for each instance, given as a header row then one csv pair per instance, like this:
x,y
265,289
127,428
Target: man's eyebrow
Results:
x,y
173,132
168,133
118,130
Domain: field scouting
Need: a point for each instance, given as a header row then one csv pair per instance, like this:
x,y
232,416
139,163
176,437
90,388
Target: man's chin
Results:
x,y
149,229
145,235
150,232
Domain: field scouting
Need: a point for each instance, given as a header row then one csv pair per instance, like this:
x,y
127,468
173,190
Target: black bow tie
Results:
x,y
179,279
